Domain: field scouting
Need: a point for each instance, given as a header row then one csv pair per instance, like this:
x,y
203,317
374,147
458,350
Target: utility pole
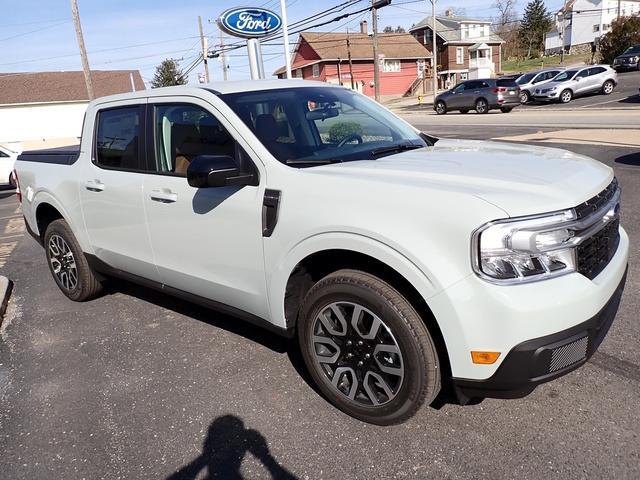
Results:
x,y
434,50
353,85
205,50
83,51
223,57
376,60
285,36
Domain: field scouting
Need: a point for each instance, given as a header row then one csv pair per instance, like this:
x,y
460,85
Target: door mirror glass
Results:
x,y
578,78
217,171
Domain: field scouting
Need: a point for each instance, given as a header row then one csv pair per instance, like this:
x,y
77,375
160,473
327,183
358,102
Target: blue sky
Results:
x,y
138,34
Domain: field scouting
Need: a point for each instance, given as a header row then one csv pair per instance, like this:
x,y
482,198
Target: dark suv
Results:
x,y
479,95
629,60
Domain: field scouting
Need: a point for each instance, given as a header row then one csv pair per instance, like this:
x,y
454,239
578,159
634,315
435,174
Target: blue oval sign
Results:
x,y
249,22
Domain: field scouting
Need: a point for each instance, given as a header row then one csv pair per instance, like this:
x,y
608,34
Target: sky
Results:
x,y
139,34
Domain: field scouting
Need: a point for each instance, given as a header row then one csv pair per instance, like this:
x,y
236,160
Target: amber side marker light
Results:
x,y
484,358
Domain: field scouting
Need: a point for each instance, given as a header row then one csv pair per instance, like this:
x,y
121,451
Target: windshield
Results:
x,y
634,49
566,75
526,78
308,126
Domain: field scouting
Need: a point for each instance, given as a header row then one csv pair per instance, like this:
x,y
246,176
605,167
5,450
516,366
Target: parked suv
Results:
x,y
7,161
578,81
406,266
528,81
629,60
479,95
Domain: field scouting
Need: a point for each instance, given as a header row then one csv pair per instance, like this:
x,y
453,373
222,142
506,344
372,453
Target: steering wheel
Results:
x,y
349,138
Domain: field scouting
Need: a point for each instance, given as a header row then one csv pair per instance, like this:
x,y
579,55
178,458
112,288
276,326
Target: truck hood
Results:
x,y
519,179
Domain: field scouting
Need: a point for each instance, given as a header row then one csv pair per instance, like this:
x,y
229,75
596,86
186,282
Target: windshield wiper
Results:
x,y
402,147
320,161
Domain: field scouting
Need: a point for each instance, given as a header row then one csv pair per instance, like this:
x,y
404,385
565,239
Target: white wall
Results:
x,y
37,122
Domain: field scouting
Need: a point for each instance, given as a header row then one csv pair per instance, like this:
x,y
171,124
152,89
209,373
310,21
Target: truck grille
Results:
x,y
595,203
568,354
595,253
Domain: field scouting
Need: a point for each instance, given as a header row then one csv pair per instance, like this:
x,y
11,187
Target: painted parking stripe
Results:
x,y
6,249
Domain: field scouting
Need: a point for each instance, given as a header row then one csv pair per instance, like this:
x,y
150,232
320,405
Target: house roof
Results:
x,y
448,28
45,87
330,46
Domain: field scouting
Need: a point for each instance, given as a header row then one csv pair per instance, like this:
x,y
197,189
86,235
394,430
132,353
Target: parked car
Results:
x,y
7,161
479,95
629,60
406,266
528,81
578,81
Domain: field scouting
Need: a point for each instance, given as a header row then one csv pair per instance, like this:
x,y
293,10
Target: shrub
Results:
x,y
341,130
625,33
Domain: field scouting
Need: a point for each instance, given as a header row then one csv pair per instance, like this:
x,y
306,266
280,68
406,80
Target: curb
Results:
x,y
6,286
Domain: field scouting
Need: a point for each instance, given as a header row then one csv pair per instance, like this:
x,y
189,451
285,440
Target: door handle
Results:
x,y
94,185
163,196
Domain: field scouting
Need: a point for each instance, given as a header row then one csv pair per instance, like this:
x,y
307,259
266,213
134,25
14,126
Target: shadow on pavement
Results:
x,y
629,159
633,99
227,443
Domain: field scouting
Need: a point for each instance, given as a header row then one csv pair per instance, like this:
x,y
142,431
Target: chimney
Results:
x,y
363,27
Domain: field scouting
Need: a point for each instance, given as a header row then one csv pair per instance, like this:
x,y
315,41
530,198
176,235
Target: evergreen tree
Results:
x,y
168,73
536,22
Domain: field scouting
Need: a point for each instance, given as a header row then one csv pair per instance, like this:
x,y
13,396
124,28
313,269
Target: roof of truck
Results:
x,y
218,88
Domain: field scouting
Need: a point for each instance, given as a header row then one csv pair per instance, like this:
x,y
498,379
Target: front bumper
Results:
x,y
625,66
546,96
542,359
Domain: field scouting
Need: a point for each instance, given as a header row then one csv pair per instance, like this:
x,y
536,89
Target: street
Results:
x,y
136,384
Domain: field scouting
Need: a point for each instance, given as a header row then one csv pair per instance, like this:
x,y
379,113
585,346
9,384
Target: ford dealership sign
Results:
x,y
249,22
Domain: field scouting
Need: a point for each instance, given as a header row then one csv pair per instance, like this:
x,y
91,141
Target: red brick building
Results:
x,y
325,56
467,48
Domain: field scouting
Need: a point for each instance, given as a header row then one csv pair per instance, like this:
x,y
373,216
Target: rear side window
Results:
x,y
596,70
119,138
506,83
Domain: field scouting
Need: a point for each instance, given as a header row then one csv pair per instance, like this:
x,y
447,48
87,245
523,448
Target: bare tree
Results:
x,y
506,25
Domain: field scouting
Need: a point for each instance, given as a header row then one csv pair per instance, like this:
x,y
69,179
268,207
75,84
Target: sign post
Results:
x,y
251,23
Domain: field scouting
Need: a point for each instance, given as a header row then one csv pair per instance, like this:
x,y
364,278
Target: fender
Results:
x,y
45,196
277,278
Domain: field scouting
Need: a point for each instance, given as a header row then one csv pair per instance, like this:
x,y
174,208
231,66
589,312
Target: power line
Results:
x,y
33,31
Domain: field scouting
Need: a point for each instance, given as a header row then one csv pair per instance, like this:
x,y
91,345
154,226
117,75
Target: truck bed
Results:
x,y
60,156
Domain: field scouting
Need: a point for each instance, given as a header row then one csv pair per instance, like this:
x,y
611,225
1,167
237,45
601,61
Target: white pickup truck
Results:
x,y
411,269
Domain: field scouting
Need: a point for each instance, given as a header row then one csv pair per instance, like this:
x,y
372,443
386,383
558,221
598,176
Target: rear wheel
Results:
x,y
68,264
482,106
566,96
506,109
367,348
441,107
607,87
524,96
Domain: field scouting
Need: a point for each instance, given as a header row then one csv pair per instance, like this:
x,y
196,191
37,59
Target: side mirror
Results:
x,y
218,171
578,79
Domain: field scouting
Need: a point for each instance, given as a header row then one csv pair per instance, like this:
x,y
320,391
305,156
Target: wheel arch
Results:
x,y
46,213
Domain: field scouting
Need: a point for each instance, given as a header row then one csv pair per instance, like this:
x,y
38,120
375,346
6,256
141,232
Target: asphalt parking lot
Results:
x,y
138,385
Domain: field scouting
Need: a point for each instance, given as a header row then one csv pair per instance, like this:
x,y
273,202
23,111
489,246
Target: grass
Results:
x,y
542,62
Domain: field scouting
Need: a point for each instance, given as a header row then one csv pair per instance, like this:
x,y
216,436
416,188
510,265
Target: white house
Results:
x,y
580,22
46,109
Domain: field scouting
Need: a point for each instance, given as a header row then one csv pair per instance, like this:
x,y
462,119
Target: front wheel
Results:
x,y
506,109
367,348
607,87
441,107
67,263
566,96
482,106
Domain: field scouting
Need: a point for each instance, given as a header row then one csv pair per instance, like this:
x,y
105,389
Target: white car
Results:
x,y
407,267
576,82
7,161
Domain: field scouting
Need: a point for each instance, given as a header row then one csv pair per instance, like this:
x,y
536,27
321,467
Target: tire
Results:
x,y
607,87
565,96
336,353
506,109
441,107
482,106
525,97
464,111
67,263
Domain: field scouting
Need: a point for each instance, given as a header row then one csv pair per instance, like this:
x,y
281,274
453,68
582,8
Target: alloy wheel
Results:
x,y
481,106
565,97
63,263
608,88
357,353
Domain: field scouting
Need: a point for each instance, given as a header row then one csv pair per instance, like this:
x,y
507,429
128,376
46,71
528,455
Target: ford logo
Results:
x,y
249,22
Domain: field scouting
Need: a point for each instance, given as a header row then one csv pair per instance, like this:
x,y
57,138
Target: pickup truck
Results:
x,y
410,269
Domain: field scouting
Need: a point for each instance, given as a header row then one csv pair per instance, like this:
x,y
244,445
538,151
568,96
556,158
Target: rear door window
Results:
x,y
119,139
596,70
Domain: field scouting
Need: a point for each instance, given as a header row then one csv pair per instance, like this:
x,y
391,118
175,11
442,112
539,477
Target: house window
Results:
x,y
315,70
464,76
299,73
459,55
596,28
606,26
391,66
427,36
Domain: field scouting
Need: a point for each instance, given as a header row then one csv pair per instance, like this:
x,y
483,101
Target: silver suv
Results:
x,y
528,81
578,81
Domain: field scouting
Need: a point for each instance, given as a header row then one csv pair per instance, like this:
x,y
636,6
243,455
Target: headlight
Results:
x,y
635,59
553,88
520,249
